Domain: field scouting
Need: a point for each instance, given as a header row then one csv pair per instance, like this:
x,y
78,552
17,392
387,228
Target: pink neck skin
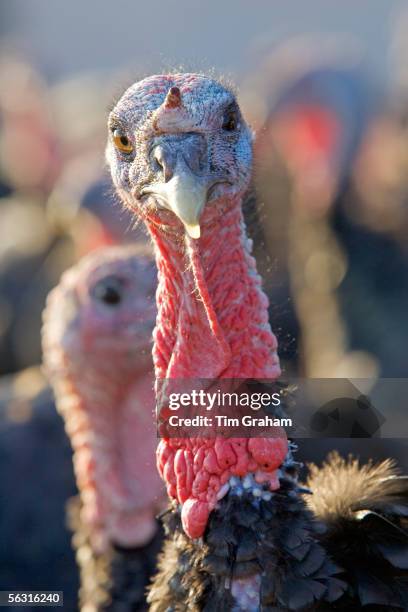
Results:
x,y
212,323
212,314
113,436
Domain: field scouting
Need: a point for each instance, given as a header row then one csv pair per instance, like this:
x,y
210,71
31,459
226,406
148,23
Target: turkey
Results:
x,y
240,535
96,344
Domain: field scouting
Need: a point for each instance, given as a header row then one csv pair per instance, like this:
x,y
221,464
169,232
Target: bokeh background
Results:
x,y
324,84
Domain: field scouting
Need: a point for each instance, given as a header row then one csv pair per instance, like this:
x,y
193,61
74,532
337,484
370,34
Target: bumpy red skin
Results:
x,y
196,472
213,325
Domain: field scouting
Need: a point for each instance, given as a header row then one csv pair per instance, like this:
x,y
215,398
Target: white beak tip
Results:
x,y
193,230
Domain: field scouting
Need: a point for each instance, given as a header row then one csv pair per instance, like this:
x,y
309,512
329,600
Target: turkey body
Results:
x,y
332,548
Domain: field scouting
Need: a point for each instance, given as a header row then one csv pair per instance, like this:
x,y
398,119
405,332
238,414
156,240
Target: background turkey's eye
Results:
x,y
122,142
230,121
108,290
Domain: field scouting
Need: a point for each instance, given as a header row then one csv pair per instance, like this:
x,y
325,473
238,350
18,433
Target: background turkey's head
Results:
x,y
104,311
176,143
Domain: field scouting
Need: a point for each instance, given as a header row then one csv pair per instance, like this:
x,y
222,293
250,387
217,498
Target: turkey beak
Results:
x,y
185,194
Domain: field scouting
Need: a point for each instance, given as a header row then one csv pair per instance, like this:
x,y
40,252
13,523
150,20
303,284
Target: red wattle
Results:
x,y
195,483
212,325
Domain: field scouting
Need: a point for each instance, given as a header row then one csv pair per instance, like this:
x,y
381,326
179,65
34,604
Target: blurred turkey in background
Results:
x,y
329,222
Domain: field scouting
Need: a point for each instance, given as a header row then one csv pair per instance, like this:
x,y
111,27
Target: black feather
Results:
x,y
274,540
365,511
114,580
344,548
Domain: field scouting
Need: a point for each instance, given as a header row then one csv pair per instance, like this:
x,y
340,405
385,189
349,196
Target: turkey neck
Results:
x,y
212,323
212,317
100,408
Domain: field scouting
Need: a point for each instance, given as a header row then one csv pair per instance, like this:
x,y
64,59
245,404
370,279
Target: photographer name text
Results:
x,y
223,421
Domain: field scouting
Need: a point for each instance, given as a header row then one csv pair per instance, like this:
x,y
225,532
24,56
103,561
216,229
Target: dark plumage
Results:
x,y
365,510
344,547
113,580
277,540
36,479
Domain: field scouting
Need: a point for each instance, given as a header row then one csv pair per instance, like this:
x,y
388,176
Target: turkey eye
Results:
x,y
122,142
108,290
230,121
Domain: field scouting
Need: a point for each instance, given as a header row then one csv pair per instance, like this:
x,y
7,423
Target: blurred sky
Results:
x,y
69,36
